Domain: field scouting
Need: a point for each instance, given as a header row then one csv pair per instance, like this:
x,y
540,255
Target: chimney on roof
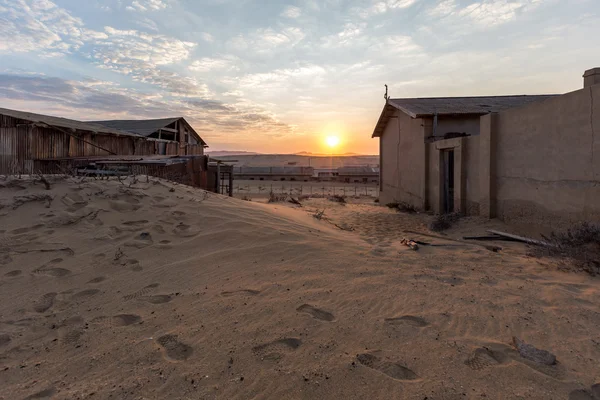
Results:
x,y
591,77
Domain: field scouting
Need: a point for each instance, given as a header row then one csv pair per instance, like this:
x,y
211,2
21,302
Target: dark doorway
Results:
x,y
448,180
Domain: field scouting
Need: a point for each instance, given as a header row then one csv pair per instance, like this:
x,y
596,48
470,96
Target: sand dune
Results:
x,y
164,292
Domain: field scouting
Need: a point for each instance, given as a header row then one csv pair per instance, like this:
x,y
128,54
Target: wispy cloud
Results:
x,y
291,12
267,39
147,5
223,63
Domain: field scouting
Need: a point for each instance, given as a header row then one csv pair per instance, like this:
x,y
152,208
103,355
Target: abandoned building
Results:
x,y
524,159
34,143
358,174
325,174
301,174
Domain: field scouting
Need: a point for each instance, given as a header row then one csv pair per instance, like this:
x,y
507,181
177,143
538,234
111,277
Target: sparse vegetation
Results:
x,y
319,214
578,247
403,207
442,222
275,198
338,198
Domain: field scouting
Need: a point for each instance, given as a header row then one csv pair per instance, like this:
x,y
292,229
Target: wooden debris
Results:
x,y
531,353
295,201
410,243
44,180
490,237
519,238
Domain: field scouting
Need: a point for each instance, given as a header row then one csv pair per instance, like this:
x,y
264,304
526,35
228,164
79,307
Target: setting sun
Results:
x,y
332,141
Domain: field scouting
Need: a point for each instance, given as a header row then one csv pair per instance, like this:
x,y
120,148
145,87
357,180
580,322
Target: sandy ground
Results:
x,y
160,292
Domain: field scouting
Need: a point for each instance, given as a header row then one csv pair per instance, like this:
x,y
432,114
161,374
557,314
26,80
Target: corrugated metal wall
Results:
x,y
22,142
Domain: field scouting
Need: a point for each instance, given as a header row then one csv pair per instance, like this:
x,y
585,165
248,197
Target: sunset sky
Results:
x,y
284,76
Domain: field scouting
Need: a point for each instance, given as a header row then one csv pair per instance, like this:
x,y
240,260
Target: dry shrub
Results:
x,y
319,214
275,198
403,207
338,198
442,222
578,247
246,198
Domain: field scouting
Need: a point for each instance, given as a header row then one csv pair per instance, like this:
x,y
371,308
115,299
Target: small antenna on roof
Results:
x,y
385,96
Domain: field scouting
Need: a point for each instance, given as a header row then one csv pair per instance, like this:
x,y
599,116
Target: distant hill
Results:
x,y
221,153
308,153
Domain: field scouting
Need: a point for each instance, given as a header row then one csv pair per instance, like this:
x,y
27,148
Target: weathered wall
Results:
x,y
403,161
466,124
548,160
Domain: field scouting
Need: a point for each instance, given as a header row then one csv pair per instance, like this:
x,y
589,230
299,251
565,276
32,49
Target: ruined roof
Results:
x,y
143,127
459,106
146,127
64,123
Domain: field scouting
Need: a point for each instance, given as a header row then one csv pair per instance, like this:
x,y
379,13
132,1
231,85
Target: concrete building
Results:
x,y
529,159
325,174
358,174
301,174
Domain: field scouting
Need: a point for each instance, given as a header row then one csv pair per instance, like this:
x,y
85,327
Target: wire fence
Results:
x,y
305,189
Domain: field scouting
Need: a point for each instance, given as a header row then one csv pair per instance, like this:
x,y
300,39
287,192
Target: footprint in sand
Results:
x,y
275,350
185,231
26,230
44,394
494,354
44,303
136,223
14,273
250,292
482,358
85,294
316,312
125,319
142,292
174,349
54,272
72,337
142,240
158,299
97,280
4,339
393,370
123,206
407,320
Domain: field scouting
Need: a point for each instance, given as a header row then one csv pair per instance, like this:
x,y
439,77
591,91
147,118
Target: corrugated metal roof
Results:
x,y
428,107
423,107
143,127
63,122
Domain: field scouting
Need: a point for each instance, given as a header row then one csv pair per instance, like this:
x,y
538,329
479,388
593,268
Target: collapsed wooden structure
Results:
x,y
34,143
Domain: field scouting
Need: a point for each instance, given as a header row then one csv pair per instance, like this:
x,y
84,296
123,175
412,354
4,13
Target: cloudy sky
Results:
x,y
279,76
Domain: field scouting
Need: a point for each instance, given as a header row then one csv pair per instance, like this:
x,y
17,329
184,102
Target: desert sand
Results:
x,y
151,290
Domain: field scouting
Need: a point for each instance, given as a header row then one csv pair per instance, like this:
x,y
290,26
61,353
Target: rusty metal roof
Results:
x,y
146,127
447,106
65,123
